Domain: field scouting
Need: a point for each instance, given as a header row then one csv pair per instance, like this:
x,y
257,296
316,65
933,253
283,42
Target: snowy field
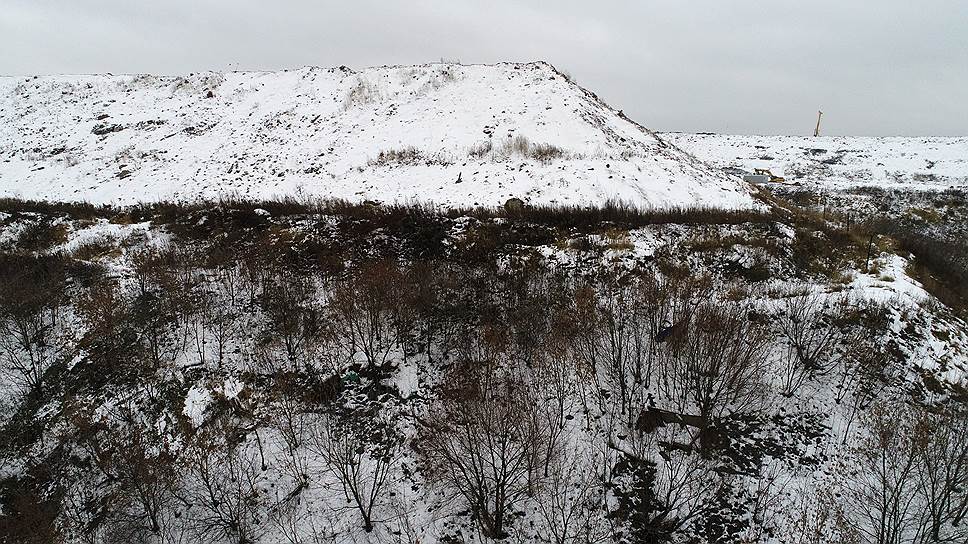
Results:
x,y
838,162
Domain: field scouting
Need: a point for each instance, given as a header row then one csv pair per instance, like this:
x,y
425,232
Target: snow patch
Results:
x,y
196,402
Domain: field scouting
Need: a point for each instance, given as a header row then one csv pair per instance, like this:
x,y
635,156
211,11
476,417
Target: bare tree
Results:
x,y
555,389
572,501
32,335
665,485
223,492
766,502
811,337
607,343
290,419
437,311
137,470
865,367
365,310
486,442
714,365
883,494
294,319
943,473
362,468
214,328
165,303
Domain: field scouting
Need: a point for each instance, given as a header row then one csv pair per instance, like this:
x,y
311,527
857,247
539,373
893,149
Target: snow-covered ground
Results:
x,y
320,132
244,430
839,162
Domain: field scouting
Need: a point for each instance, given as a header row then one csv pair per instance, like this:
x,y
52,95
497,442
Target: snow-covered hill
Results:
x,y
933,163
450,134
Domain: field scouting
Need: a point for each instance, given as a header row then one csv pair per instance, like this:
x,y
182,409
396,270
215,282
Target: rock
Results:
x,y
514,205
106,128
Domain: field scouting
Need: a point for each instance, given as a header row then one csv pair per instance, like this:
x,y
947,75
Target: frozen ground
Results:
x,y
315,131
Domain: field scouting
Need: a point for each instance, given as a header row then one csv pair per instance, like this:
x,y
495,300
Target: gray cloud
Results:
x,y
883,68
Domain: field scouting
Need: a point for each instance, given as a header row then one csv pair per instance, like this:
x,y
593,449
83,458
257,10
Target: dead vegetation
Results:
x,y
363,93
405,155
518,146
408,156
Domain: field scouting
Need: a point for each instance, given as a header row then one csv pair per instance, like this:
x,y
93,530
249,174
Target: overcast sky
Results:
x,y
876,67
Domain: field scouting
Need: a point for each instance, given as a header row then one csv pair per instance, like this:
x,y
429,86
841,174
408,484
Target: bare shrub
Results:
x,y
404,155
481,149
410,156
941,266
438,77
518,145
41,235
75,210
819,518
184,217
546,152
101,246
30,514
631,216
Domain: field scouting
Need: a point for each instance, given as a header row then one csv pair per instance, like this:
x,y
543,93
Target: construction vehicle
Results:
x,y
773,178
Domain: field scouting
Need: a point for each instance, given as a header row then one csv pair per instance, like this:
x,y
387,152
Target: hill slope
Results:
x,y
454,135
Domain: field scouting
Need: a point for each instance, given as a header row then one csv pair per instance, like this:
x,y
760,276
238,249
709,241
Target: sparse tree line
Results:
x,y
434,399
